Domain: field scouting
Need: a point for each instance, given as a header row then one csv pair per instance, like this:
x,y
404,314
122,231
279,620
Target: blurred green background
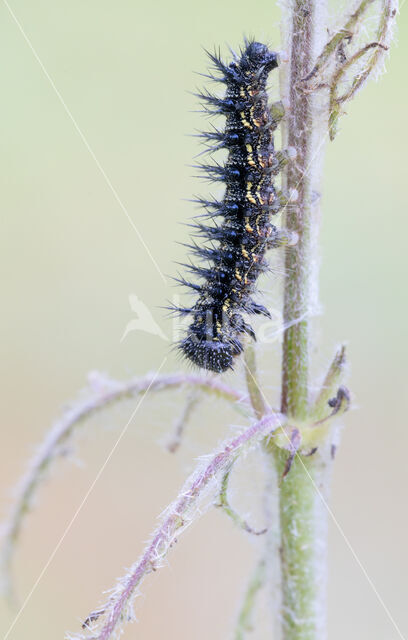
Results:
x,y
70,259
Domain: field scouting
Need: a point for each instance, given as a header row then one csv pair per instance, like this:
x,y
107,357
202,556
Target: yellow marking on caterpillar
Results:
x,y
249,195
244,252
258,193
251,160
254,120
248,226
245,121
238,275
257,225
261,199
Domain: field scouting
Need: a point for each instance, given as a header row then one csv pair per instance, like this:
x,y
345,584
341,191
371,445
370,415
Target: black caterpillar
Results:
x,y
214,337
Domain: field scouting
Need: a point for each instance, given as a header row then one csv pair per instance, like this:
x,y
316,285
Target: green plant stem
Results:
x,y
300,509
256,396
257,581
303,525
299,126
330,385
225,505
384,33
345,32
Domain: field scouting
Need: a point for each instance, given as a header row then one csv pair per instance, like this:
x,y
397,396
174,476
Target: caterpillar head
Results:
x,y
258,55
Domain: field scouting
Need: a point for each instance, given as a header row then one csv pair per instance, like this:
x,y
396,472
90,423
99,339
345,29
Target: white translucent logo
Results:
x,y
268,330
144,320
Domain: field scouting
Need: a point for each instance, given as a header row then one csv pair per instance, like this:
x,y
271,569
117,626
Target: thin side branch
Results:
x,y
330,384
187,411
255,394
345,33
106,621
102,393
257,581
226,506
380,46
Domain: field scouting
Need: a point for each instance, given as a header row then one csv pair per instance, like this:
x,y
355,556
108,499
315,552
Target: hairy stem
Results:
x,y
245,618
299,133
226,506
303,547
105,622
345,32
103,392
330,385
380,46
256,396
300,516
190,405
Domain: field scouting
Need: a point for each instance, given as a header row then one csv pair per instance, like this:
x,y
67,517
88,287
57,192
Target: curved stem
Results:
x,y
103,393
187,411
105,622
384,34
226,506
341,34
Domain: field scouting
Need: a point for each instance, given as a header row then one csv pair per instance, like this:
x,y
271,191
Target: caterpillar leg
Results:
x,y
285,156
282,238
277,111
241,326
283,199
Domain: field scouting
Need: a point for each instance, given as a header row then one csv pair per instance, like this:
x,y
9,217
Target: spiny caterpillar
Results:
x,y
235,253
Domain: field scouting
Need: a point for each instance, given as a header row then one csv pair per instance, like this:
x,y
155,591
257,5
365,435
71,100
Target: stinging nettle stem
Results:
x,y
299,132
302,518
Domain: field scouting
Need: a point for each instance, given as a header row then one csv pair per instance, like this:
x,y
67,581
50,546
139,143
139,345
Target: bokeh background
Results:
x,y
70,259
